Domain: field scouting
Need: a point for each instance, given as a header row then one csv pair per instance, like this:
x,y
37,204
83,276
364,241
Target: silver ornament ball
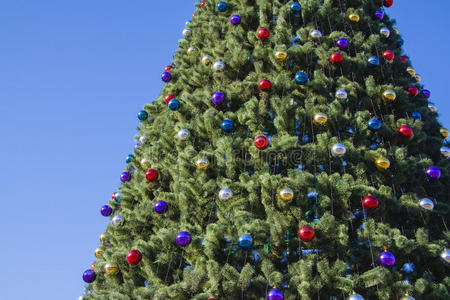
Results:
x,y
316,34
218,66
432,108
183,134
356,297
445,151
225,194
385,32
445,255
406,297
186,32
341,94
338,149
426,204
116,220
142,140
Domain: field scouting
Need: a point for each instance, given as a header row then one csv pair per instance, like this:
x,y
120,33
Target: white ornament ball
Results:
x,y
356,297
186,32
316,34
225,194
142,140
80,298
432,108
218,66
338,150
445,151
385,32
427,204
341,94
446,256
183,134
116,220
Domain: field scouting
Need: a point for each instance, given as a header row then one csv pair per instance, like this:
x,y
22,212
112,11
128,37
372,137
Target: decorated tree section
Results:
x,y
292,154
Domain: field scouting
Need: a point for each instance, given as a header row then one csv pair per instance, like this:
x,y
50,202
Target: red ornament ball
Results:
x,y
265,85
134,257
388,3
151,175
263,33
92,267
413,91
169,97
403,59
336,58
203,3
370,202
168,68
405,131
388,55
261,142
306,233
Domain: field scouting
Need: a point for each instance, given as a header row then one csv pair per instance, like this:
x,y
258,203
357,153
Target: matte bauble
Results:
x,y
342,43
373,61
106,210
125,176
160,207
225,194
426,93
227,126
306,233
338,150
388,3
245,241
341,94
191,51
206,60
129,158
166,77
389,95
316,34
186,32
142,115
218,66
432,108
145,163
261,142
222,6
384,31
111,269
320,119
183,238
356,297
374,124
89,276
444,133
445,256
217,98
433,172
275,294
99,251
142,139
301,78
116,220
353,17
445,151
386,259
411,71
405,131
379,15
336,58
426,204
134,257
183,134
280,55
151,175
382,163
295,7
265,85
416,116
174,104
389,55
263,33
413,91
235,20
202,164
286,195
370,202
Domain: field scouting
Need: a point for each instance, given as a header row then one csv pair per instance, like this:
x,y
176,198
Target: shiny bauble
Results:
x,y
370,202
379,15
206,60
265,85
316,34
263,33
374,124
320,119
342,43
222,6
341,94
306,233
280,55
245,241
386,259
403,59
166,77
382,163
225,194
275,294
416,116
301,78
116,220
418,78
99,251
444,133
218,66
445,256
89,276
432,108
384,31
134,257
413,91
407,297
102,237
183,238
295,7
336,58
286,195
400,41
235,20
125,176
186,32
426,204
426,93
116,196
389,95
183,134
106,210
388,3
129,158
405,131
142,139
174,104
389,55
145,163
217,98
151,175
338,150
191,51
202,164
111,269
433,173
227,126
445,151
353,17
411,71
203,3
356,297
160,207
373,61
142,115
261,142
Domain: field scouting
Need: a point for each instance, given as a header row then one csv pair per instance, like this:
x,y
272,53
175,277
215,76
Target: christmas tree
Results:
x,y
292,154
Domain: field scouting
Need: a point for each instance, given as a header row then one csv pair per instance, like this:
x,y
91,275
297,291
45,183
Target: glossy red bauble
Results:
x,y
403,59
413,91
203,3
169,97
388,55
168,68
151,175
265,85
261,142
263,33
370,202
134,257
388,3
336,58
212,299
405,131
306,233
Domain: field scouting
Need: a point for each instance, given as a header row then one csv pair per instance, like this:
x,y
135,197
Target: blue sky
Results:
x,y
73,75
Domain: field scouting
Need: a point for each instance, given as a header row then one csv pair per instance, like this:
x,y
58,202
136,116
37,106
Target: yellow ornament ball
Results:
x,y
444,133
411,71
418,78
389,95
145,163
111,269
102,237
202,164
286,195
353,17
207,60
190,51
280,55
99,251
382,163
320,119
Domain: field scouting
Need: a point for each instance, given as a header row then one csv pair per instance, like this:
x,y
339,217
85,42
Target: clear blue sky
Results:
x,y
73,75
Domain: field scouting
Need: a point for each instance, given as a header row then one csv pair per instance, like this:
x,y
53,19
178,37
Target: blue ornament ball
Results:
x,y
400,42
106,210
416,116
235,20
227,126
174,104
301,78
89,276
296,7
373,61
245,241
166,77
222,6
142,115
160,207
374,124
129,158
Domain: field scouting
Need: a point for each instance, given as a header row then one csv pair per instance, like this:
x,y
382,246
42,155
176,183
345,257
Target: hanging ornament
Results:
x,y
336,58
111,269
407,297
416,116
389,95
102,237
106,210
280,55
411,71
145,163
261,142
89,276
386,259
342,43
341,94
320,119
151,175
166,77
217,98
275,294
382,164
432,108
373,61
353,17
433,172
306,233
203,4
222,6
225,194
389,55
116,220
426,93
370,202
426,204
116,197
301,78
445,256
134,257
384,31
245,241
125,176
356,297
418,78
186,32
174,104
218,66
142,115
265,85
338,150
168,68
160,207
183,238
183,134
263,33
405,131
202,164
413,91
99,251
388,3
403,59
206,60
142,140
400,41
374,124
92,267
295,7
129,158
235,20
286,195
379,15
445,151
191,51
227,126
316,34
444,133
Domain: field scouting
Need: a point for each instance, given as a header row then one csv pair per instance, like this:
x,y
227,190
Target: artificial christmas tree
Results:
x,y
289,156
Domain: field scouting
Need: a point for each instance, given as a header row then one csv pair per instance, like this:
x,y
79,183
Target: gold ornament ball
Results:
x,y
320,119
190,51
102,237
280,55
389,95
382,163
411,71
353,17
99,251
207,60
111,269
145,163
418,78
444,133
286,195
202,164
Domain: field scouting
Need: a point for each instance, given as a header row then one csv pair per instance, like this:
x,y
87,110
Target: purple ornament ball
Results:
x,y
125,176
342,43
166,77
426,93
386,259
433,172
235,20
106,210
379,15
89,276
183,238
160,207
217,98
275,294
